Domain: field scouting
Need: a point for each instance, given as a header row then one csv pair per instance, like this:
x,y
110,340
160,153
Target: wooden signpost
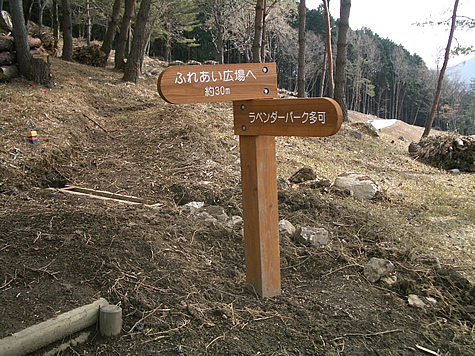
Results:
x,y
211,83
256,121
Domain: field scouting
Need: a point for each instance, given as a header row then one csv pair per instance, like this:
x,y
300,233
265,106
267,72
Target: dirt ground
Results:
x,y
180,280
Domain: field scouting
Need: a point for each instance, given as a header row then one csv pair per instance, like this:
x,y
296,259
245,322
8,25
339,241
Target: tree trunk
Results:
x,y
120,50
27,5
41,71
256,45
132,67
263,38
301,61
88,22
331,86
345,6
20,38
430,119
55,21
67,31
111,28
322,76
220,43
168,42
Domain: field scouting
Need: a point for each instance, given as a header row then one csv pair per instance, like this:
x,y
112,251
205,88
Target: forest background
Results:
x,y
382,78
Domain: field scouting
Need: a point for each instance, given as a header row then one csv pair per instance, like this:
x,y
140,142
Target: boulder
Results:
x,y
377,268
360,185
286,229
302,175
312,236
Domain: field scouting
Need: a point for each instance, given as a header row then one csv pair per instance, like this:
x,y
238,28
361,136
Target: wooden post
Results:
x,y
110,320
260,214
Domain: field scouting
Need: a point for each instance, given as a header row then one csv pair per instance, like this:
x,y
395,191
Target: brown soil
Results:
x,y
181,281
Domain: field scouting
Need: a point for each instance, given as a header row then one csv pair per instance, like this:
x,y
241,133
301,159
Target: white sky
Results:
x,y
395,20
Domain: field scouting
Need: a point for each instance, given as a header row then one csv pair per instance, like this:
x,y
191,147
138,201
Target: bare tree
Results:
x,y
36,69
120,55
132,67
331,85
258,31
67,31
301,62
111,29
55,20
20,38
430,119
345,6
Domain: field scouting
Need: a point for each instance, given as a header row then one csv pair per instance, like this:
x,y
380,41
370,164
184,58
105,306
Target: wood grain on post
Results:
x,y
315,117
260,214
220,82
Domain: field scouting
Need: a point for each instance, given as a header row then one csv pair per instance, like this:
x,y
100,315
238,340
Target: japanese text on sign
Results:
x,y
224,76
311,117
205,77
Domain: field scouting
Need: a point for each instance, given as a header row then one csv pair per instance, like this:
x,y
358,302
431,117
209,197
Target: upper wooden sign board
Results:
x,y
317,117
220,82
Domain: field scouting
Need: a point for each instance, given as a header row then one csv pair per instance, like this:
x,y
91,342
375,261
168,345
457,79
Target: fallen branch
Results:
x,y
341,268
427,350
43,270
369,335
95,122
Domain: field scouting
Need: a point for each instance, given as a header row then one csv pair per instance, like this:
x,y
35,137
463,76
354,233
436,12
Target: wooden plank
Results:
x,y
260,214
316,117
221,82
102,194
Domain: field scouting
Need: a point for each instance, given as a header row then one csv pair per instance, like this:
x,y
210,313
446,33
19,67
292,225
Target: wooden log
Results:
x,y
6,43
40,335
34,42
38,52
110,320
8,72
7,58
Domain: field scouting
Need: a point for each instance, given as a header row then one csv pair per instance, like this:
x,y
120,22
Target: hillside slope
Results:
x,y
180,279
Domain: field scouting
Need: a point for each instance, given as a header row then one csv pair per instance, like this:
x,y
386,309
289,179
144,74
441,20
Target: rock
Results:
x,y
286,229
369,128
356,134
216,212
312,236
377,268
414,147
415,301
360,185
454,171
402,138
302,175
193,207
235,222
317,183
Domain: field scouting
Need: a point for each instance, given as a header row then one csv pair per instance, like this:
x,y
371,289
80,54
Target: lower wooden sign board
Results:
x,y
315,117
220,82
